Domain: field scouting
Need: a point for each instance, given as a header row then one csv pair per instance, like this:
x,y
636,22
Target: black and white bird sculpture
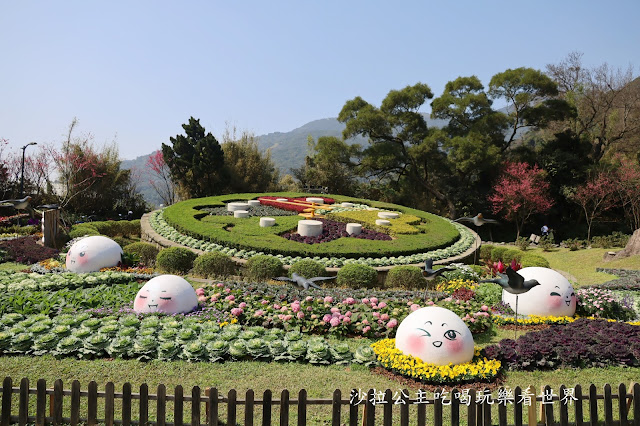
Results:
x,y
477,220
21,204
514,283
303,282
431,273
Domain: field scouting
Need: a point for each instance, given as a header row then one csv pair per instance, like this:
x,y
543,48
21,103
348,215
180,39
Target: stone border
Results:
x,y
148,234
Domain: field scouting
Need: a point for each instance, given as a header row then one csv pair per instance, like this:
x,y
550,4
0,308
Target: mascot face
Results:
x,y
436,336
92,254
170,294
553,297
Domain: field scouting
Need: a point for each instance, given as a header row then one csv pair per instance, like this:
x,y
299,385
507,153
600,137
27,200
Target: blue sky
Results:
x,y
134,71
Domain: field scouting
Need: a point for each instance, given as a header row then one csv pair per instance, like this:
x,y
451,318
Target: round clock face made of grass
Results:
x,y
436,336
92,254
553,297
169,294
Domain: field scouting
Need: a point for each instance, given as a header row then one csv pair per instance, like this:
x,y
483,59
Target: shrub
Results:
x,y
462,272
262,267
108,228
82,229
546,243
409,277
485,251
574,244
308,268
357,276
146,251
26,250
530,259
603,303
497,253
488,294
616,239
214,264
175,260
522,243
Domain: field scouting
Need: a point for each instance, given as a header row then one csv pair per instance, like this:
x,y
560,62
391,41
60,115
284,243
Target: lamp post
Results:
x,y
22,168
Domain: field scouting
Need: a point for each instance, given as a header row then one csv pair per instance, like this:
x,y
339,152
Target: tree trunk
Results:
x,y
632,248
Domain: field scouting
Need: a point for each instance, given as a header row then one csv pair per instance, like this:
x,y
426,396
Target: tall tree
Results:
x,y
162,182
627,183
606,101
520,191
196,161
248,169
595,196
329,165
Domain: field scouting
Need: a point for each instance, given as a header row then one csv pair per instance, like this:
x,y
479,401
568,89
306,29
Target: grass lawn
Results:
x,y
12,267
582,264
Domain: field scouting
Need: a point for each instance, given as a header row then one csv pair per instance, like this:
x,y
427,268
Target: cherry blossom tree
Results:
x,y
162,182
595,196
521,190
628,189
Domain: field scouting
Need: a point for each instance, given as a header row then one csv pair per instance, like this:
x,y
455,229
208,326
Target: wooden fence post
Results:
x,y
517,406
284,408
455,407
472,420
593,405
302,407
541,412
486,410
7,392
636,404
126,404
23,405
92,403
144,404
178,406
387,411
622,404
353,410
109,403
548,407
41,402
232,398
212,406
58,393
336,407
578,409
75,403
531,411
502,407
437,407
564,407
195,406
248,408
608,405
369,409
266,407
161,406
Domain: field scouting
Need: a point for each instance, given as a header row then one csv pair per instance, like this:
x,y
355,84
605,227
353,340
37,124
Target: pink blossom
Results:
x,y
214,298
384,317
242,305
365,301
258,313
314,316
202,298
295,307
309,309
236,312
300,315
365,322
288,317
334,310
284,309
334,322
414,307
276,306
326,318
376,314
348,313
346,320
350,301
366,329
392,323
472,320
328,299
227,290
264,302
230,297
430,303
220,285
484,308
373,299
382,305
199,291
309,299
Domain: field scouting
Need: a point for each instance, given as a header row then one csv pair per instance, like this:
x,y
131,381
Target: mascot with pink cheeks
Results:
x,y
91,254
436,336
169,294
553,297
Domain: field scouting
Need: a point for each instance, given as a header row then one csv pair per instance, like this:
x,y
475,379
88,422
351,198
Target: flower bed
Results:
x,y
14,281
165,338
477,370
582,343
183,223
258,211
603,303
332,230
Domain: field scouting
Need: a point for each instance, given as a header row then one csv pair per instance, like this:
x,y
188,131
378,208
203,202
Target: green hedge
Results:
x,y
175,260
147,252
409,277
110,228
308,268
435,232
263,267
214,264
353,275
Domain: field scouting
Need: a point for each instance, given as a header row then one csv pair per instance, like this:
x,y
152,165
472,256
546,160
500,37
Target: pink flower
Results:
x,y
334,322
300,315
384,317
382,305
392,323
242,305
219,285
376,314
276,306
264,302
236,312
202,298
430,303
309,309
309,299
214,298
326,318
365,322
284,309
227,290
365,301
484,308
350,301
258,313
346,320
199,291
414,307
373,299
295,307
288,317
230,297
472,320
328,299
366,329
334,310
348,313
314,316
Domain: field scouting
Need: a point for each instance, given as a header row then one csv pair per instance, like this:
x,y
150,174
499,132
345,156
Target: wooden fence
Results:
x,y
517,407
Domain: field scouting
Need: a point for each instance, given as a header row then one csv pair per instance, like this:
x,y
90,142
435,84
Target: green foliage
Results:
x,y
545,243
147,252
82,229
353,275
485,251
522,243
405,224
530,259
488,294
616,239
247,167
195,160
175,260
214,264
409,277
497,253
263,267
574,244
308,268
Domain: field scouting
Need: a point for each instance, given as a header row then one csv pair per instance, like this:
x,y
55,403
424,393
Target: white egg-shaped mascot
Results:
x,y
436,336
553,297
92,254
170,294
